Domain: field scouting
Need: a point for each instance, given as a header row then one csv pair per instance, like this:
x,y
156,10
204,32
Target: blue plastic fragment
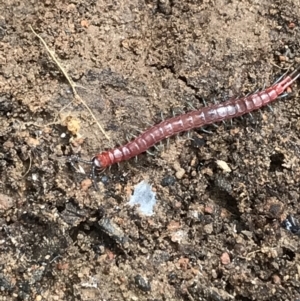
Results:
x,y
143,196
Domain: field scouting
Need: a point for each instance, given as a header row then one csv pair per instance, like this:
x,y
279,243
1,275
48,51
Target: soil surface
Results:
x,y
216,232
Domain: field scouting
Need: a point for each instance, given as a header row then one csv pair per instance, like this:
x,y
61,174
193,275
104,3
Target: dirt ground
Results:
x,y
215,234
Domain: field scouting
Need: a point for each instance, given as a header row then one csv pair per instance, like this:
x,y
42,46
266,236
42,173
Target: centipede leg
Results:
x,y
168,142
127,138
156,147
191,106
162,146
206,131
204,102
270,108
189,136
283,95
149,153
130,136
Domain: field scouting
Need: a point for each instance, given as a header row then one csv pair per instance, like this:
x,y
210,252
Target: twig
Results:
x,y
72,84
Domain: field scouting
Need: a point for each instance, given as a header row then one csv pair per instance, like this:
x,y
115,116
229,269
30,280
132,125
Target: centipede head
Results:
x,y
96,162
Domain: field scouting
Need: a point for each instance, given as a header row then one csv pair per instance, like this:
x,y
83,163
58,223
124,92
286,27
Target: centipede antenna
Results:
x,y
71,161
94,177
295,74
282,76
75,159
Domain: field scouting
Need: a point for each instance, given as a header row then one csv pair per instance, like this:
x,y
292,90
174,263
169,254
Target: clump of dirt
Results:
x,y
216,230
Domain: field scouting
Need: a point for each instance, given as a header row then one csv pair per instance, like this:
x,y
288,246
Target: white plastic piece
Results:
x,y
143,196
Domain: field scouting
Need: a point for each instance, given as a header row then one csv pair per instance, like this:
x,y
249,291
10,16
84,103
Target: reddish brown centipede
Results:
x,y
191,120
194,119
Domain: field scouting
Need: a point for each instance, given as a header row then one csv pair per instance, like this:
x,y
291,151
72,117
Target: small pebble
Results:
x,y
6,202
223,165
179,174
208,228
73,124
209,209
198,142
179,171
105,179
292,25
276,279
240,249
86,184
168,181
142,284
282,58
214,274
225,258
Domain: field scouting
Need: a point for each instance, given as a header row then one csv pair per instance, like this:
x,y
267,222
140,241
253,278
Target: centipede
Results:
x,y
194,119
